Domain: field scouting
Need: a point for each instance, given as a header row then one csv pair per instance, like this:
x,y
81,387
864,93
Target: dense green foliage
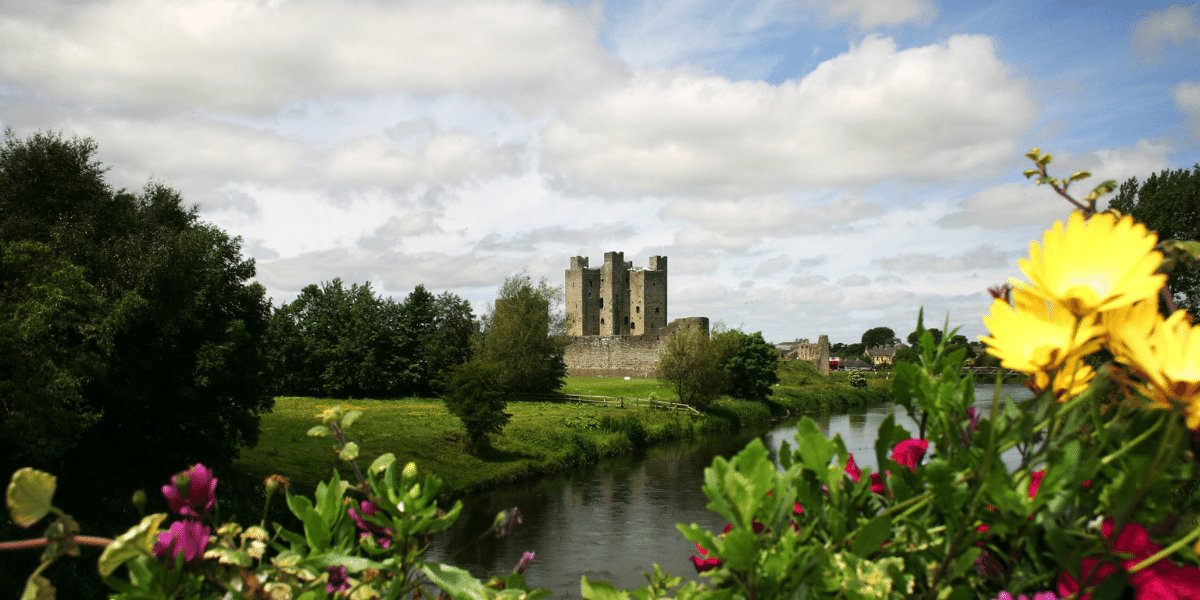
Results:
x,y
1168,202
525,337
749,364
349,342
129,329
691,364
878,336
472,394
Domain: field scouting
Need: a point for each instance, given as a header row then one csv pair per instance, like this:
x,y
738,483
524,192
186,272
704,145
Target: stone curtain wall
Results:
x,y
817,354
623,355
614,356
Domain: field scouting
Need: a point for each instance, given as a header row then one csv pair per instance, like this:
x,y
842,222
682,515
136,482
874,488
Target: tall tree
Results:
x,y
1168,202
150,329
878,336
749,363
691,363
526,337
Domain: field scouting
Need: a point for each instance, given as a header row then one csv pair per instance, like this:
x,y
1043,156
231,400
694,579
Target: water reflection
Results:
x,y
613,521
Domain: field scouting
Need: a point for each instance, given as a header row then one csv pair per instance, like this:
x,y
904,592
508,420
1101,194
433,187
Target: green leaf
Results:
x,y
38,588
318,431
381,462
229,556
349,452
1077,175
138,540
871,535
599,590
353,564
349,418
29,495
457,583
739,549
814,449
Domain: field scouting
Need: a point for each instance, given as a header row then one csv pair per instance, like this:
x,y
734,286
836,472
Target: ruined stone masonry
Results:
x,y
617,316
817,354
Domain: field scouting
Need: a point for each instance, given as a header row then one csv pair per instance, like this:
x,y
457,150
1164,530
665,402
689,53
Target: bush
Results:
x,y
857,379
472,394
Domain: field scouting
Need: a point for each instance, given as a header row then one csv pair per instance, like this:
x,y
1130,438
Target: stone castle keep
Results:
x,y
616,299
617,316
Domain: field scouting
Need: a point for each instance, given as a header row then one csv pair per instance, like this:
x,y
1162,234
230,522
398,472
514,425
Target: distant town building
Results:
x,y
882,356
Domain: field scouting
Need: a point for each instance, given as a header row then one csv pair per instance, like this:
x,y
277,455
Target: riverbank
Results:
x,y
542,436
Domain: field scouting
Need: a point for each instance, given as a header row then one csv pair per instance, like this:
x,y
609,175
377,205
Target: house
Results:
x,y
882,356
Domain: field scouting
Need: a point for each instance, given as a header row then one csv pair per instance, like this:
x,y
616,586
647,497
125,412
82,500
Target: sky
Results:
x,y
808,166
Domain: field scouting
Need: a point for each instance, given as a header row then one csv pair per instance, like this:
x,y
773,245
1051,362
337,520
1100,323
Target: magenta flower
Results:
x,y
191,493
973,417
877,485
1035,483
338,580
528,556
852,469
797,509
1036,596
705,564
1162,579
909,452
184,538
382,535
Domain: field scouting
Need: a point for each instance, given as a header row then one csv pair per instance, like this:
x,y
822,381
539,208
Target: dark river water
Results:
x,y
612,521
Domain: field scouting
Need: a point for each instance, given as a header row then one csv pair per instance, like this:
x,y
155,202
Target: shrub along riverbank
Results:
x,y
542,437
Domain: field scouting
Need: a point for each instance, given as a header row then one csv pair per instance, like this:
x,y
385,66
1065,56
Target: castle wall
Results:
x,y
817,354
614,356
624,355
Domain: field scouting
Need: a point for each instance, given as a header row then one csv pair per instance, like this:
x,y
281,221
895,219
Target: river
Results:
x,y
612,521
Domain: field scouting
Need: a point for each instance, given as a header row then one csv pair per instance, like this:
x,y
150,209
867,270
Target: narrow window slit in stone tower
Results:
x,y
639,309
602,302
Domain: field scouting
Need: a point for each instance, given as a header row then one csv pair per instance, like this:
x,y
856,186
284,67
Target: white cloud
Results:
x,y
1187,96
870,14
1177,25
773,215
1026,204
980,257
262,55
871,113
856,280
448,158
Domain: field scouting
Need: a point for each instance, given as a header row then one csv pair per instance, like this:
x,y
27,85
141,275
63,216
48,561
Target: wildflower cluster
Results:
x,y
363,539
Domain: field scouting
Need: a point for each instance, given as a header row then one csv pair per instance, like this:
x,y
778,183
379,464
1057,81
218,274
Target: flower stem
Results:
x,y
1165,552
82,540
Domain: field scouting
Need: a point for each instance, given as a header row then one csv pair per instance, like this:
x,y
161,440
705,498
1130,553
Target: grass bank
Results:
x,y
542,437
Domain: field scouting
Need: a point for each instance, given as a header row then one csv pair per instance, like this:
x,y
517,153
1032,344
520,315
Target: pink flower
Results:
x,y
338,580
705,564
797,509
528,556
973,417
852,469
383,535
191,493
1163,579
1035,483
909,452
1036,596
184,538
877,485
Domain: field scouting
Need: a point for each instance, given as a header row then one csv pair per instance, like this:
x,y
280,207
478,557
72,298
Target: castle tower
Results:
x,y
648,298
614,295
582,292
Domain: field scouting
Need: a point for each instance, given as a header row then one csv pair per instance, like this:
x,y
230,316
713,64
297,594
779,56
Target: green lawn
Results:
x,y
541,437
636,387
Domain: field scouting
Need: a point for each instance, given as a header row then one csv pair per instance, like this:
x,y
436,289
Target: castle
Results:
x,y
617,316
616,299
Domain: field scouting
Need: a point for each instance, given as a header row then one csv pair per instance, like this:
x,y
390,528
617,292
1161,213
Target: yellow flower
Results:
x,y
1036,335
1070,381
1165,356
1094,264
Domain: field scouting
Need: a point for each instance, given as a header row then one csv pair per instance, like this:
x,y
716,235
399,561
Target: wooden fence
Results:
x,y
617,402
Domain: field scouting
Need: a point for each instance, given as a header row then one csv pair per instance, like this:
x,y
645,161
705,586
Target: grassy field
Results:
x,y
541,437
634,387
